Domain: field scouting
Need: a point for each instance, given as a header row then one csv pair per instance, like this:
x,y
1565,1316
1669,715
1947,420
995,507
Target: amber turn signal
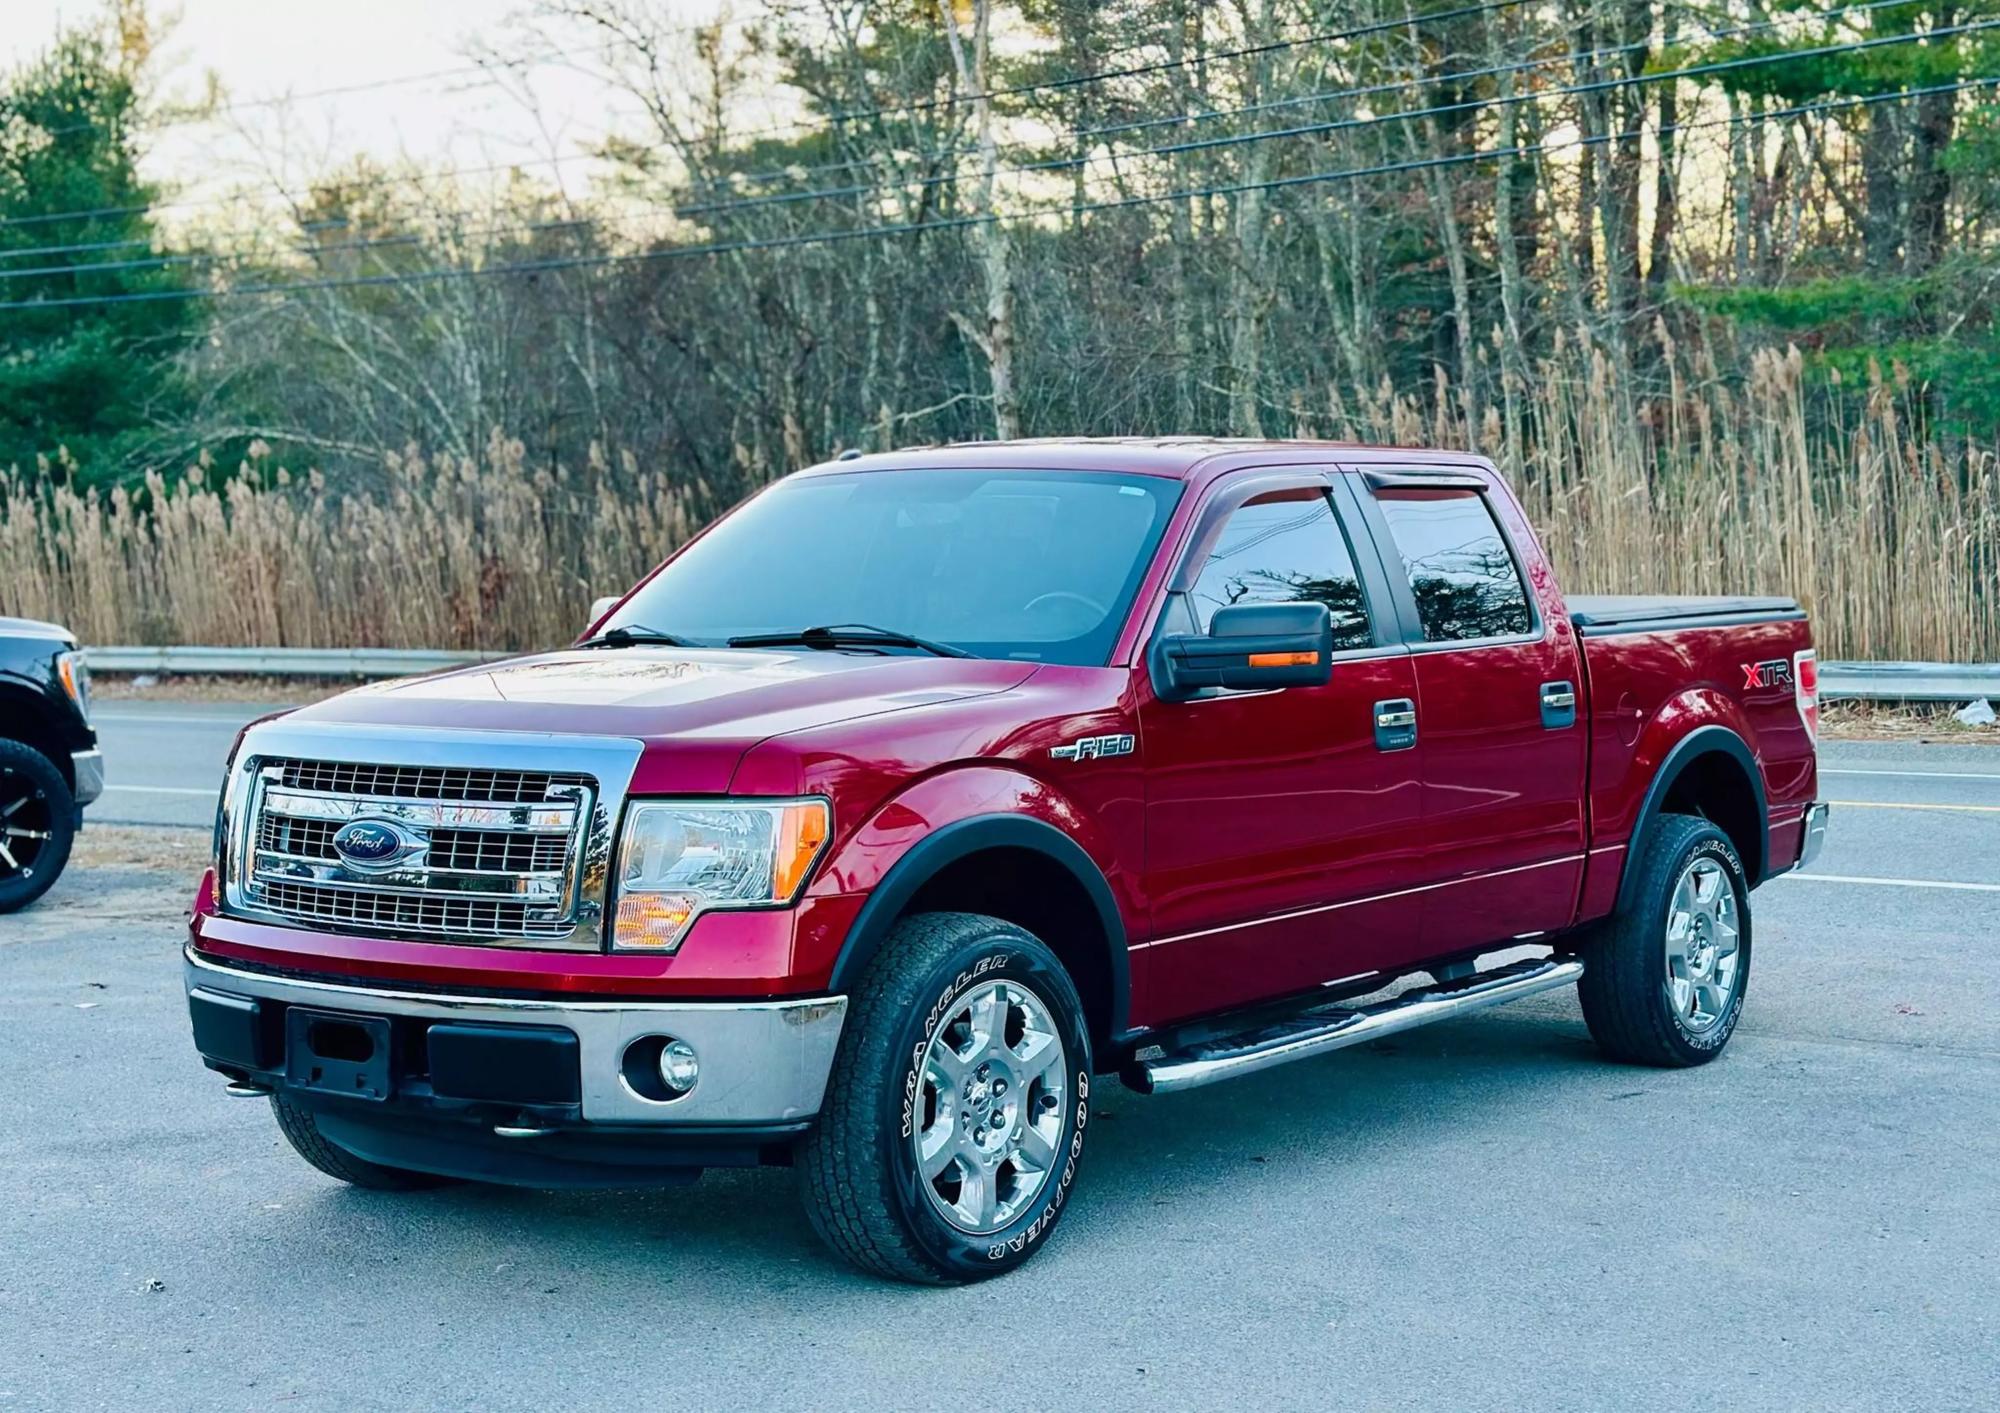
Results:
x,y
1283,659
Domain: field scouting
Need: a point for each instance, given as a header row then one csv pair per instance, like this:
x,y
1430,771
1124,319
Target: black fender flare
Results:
x,y
935,852
1703,740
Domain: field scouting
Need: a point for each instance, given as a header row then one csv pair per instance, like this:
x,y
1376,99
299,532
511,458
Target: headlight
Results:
x,y
75,679
678,860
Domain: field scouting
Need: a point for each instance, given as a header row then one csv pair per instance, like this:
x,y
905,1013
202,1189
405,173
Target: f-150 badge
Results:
x,y
1094,748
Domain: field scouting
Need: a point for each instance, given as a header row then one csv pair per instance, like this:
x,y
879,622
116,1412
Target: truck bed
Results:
x,y
1596,615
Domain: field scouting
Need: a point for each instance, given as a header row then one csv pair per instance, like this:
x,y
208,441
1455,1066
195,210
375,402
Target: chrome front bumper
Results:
x,y
762,1062
87,768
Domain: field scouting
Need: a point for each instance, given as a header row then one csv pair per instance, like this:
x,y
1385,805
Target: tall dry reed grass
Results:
x,y
1892,540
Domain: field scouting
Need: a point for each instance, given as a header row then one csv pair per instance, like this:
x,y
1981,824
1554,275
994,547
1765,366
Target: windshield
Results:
x,y
1037,565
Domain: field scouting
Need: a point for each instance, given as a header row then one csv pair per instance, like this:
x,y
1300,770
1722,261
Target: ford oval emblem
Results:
x,y
371,843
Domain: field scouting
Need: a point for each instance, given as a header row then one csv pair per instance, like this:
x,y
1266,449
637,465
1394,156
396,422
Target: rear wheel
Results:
x,y
955,1114
1664,980
37,824
302,1131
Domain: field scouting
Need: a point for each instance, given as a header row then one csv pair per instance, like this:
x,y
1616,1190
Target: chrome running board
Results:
x,y
1328,1028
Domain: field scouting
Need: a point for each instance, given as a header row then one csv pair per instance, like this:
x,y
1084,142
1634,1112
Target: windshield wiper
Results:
x,y
845,635
626,637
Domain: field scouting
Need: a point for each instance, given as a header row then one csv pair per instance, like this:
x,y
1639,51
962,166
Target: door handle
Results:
x,y
1395,724
1558,705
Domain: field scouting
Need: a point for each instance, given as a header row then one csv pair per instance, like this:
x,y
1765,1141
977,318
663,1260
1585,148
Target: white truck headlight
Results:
x,y
679,859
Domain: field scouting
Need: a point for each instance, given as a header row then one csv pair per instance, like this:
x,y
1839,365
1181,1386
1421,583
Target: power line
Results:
x,y
1218,142
917,105
812,238
1781,21
1140,70
333,184
510,228
1304,130
484,66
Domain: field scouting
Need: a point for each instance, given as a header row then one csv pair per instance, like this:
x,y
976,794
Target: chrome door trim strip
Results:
x,y
1355,902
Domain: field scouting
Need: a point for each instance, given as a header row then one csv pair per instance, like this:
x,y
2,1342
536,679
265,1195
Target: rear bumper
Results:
x,y
87,769
555,1064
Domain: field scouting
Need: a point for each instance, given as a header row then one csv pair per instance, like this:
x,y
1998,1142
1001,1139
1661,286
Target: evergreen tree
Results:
x,y
96,380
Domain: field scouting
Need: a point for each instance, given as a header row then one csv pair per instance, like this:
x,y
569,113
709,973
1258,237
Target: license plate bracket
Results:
x,y
338,1052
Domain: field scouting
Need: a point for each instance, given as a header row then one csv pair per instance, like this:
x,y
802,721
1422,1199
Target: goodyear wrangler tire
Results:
x,y
1664,979
955,1116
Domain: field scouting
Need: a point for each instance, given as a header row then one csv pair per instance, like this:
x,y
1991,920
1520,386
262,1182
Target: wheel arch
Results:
x,y
1712,772
1026,871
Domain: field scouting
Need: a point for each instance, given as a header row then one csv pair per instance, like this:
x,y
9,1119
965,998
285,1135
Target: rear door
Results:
x,y
1498,691
1280,830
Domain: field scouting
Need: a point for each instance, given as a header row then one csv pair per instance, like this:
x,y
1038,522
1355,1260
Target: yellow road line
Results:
x,y
1885,805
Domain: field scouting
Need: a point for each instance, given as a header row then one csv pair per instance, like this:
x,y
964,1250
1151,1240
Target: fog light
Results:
x,y
678,1066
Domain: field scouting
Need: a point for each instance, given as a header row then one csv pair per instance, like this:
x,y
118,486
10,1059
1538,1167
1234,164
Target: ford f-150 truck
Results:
x,y
924,790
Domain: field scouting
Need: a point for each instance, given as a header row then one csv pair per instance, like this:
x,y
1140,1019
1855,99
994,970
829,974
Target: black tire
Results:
x,y
1627,1001
858,1171
38,799
301,1130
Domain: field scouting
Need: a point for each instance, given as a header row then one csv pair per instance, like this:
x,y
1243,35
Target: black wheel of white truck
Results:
x,y
1664,979
37,824
302,1131
955,1115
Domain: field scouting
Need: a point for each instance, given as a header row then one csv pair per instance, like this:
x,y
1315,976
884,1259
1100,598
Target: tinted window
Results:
x,y
1285,550
1463,576
1039,565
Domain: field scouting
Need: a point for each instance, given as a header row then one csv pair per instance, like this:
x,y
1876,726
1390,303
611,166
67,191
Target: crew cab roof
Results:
x,y
1176,458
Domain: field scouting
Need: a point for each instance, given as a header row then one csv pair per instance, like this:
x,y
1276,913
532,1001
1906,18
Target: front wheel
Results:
x,y
1664,979
955,1114
37,824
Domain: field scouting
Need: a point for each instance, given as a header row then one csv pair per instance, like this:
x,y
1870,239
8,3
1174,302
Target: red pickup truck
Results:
x,y
924,790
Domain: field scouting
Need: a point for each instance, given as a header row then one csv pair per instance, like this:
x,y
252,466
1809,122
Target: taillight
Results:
x,y
1805,687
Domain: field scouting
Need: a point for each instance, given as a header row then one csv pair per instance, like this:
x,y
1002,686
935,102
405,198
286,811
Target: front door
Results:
x,y
1279,828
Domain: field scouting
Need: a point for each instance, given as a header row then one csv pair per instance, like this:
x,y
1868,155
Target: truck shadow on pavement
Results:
x,y
1298,1133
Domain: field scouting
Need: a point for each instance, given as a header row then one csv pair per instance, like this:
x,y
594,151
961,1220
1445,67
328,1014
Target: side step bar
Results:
x,y
1318,1031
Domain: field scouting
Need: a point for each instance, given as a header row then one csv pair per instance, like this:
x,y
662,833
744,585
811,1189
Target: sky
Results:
x,y
264,51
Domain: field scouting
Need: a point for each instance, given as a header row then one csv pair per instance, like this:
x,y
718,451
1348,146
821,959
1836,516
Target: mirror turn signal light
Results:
x,y
1283,659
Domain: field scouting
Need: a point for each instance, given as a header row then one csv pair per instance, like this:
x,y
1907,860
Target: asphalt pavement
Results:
x,y
1480,1214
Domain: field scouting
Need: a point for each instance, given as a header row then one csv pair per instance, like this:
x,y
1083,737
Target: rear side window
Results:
x,y
1285,548
1462,574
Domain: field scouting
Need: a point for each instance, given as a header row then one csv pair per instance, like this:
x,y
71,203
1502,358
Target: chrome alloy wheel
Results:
x,y
1703,945
25,825
995,1080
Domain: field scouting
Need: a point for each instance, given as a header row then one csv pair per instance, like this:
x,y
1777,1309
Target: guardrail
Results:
x,y
281,662
1838,681
1908,682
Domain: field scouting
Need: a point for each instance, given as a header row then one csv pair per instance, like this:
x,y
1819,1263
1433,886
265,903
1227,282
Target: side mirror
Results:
x,y
1252,646
600,607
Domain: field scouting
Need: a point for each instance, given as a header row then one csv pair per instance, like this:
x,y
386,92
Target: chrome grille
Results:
x,y
459,850
397,912
487,854
421,782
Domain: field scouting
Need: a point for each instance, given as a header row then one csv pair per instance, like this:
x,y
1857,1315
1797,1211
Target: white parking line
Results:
x,y
1894,882
1907,805
159,790
1918,774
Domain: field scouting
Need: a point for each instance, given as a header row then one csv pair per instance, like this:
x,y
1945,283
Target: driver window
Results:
x,y
1285,547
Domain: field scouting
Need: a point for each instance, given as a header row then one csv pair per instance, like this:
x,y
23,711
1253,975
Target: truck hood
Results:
x,y
696,711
